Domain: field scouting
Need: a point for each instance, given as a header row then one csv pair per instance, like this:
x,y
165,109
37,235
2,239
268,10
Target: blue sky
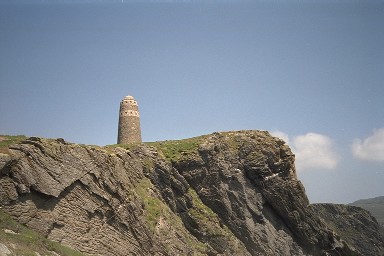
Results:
x,y
308,71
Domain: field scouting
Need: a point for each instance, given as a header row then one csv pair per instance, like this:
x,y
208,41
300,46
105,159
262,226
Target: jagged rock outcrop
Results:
x,y
232,193
351,221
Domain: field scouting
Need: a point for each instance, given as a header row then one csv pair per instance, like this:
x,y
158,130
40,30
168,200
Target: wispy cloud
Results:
x,y
312,150
371,148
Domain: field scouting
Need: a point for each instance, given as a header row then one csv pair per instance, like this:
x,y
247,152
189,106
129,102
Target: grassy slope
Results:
x,y
172,150
6,140
20,240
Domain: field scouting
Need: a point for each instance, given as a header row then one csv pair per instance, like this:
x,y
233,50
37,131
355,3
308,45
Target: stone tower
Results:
x,y
129,121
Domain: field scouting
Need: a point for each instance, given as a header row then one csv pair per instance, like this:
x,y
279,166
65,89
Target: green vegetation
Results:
x,y
154,207
148,164
7,140
161,219
27,242
174,150
200,210
209,223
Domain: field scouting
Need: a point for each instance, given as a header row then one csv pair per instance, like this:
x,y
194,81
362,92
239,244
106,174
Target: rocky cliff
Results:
x,y
376,207
233,193
350,222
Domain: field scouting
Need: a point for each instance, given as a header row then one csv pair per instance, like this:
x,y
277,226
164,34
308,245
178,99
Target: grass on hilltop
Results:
x,y
173,150
7,140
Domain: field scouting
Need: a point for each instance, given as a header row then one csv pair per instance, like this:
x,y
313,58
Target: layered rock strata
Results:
x,y
233,193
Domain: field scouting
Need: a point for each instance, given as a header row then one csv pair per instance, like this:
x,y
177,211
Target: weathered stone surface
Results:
x,y
4,251
129,130
234,193
350,222
83,197
249,179
4,159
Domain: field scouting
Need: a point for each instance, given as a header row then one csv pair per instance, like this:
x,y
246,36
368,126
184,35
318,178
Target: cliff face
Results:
x,y
348,221
232,193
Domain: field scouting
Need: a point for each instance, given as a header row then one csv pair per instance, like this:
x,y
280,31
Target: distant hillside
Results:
x,y
374,205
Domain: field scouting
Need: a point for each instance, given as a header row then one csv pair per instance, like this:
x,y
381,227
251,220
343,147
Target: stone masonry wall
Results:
x,y
129,121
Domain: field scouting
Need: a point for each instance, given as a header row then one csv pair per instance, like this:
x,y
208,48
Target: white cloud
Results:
x,y
371,148
312,150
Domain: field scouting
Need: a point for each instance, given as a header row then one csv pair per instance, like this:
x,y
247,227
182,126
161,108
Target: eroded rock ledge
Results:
x,y
233,193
